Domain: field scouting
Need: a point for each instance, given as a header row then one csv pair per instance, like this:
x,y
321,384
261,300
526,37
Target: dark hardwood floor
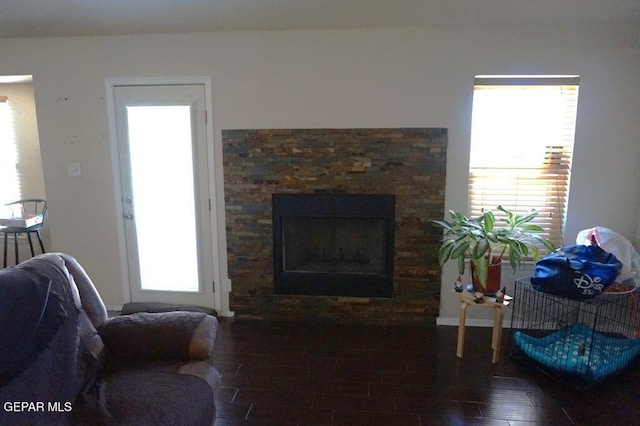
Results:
x,y
321,374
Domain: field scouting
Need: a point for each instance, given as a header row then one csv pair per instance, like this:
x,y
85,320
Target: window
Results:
x,y
10,188
522,137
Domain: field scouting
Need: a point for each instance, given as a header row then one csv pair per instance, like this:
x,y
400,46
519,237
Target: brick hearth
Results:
x,y
408,162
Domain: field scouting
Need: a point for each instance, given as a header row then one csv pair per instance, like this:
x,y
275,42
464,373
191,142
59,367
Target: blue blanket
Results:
x,y
580,351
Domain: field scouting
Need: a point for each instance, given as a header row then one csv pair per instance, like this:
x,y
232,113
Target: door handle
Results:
x,y
128,216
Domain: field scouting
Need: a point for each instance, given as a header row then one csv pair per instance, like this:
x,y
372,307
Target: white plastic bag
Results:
x,y
616,244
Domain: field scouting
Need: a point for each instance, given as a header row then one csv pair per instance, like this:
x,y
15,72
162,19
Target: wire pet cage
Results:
x,y
580,342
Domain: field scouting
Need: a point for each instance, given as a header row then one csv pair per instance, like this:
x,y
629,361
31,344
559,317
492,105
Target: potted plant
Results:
x,y
485,244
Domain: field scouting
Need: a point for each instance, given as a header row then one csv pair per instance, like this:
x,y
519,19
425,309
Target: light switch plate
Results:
x,y
74,169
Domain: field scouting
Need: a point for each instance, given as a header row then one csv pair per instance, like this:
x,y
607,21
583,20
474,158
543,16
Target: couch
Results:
x,y
63,361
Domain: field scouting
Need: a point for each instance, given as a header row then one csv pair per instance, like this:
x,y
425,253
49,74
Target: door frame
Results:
x,y
221,284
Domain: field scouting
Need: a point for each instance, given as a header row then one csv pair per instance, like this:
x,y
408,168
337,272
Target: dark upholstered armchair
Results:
x,y
61,352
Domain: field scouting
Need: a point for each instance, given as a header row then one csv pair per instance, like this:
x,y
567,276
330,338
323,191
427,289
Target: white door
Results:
x,y
161,132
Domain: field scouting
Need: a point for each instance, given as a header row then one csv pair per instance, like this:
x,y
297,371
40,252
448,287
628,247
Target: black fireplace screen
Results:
x,y
334,244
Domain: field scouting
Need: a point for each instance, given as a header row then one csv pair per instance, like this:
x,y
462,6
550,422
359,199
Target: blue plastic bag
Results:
x,y
576,272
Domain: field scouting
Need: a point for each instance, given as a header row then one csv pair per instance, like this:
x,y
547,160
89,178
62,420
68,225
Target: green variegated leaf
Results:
x,y
463,237
546,243
442,224
457,217
461,265
489,220
536,252
481,270
523,250
460,250
531,228
481,248
444,251
473,224
519,220
513,259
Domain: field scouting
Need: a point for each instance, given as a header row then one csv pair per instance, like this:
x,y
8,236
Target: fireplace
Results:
x,y
333,244
410,163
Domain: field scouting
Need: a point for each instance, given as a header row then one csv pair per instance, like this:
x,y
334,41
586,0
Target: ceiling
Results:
x,y
45,18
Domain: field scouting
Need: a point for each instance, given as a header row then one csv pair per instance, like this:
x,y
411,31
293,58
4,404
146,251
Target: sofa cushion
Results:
x,y
157,395
145,337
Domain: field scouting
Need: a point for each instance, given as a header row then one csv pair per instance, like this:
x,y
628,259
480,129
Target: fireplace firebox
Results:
x,y
333,244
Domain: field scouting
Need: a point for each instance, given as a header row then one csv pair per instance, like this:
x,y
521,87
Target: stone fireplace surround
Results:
x,y
407,162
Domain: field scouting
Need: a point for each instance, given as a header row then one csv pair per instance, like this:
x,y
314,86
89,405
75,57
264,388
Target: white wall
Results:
x,y
335,78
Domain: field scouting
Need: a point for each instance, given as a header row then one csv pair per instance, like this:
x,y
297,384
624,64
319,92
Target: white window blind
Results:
x,y
9,178
521,147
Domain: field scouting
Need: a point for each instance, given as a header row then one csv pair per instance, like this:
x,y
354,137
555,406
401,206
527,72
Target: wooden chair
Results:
x,y
28,207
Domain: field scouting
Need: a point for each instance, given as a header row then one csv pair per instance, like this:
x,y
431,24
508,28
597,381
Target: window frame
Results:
x,y
542,187
11,188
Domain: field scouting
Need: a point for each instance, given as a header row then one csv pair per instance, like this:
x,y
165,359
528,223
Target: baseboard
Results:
x,y
113,307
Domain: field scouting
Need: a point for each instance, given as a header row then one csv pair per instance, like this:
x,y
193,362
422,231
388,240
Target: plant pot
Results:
x,y
493,277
